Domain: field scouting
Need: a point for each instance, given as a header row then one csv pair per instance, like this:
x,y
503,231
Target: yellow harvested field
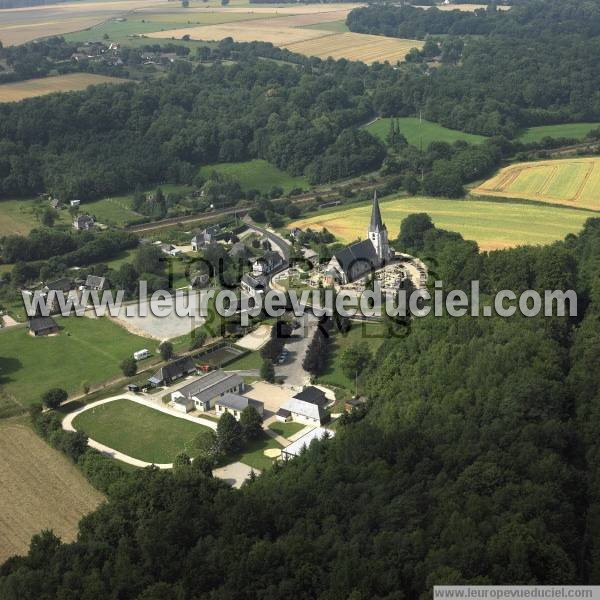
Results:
x,y
13,92
304,19
571,182
40,490
493,225
356,46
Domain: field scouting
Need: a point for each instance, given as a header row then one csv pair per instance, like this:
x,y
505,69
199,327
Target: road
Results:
x,y
291,371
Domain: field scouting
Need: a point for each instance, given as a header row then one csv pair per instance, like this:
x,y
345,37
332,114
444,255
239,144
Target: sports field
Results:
x,y
567,130
41,489
258,175
419,132
13,92
85,350
571,182
157,438
492,225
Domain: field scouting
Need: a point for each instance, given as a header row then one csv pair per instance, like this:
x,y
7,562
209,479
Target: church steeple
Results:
x,y
378,232
376,221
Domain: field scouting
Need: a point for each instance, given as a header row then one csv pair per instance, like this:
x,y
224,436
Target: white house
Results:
x,y
235,404
308,407
203,392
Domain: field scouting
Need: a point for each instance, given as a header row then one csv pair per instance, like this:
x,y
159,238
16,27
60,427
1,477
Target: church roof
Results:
x,y
363,252
376,220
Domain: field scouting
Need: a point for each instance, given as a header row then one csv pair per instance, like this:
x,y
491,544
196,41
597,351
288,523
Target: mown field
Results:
x,y
572,182
21,215
567,130
41,489
20,90
258,175
492,224
420,132
158,438
86,350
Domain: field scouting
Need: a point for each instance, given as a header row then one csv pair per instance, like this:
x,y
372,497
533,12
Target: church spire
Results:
x,y
376,222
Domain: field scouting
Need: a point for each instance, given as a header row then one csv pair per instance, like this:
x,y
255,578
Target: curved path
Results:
x,y
67,424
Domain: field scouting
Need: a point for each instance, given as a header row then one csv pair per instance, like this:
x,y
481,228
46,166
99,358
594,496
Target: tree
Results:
x,y
129,367
149,259
251,423
48,217
267,371
229,434
355,359
413,230
166,350
206,443
54,397
182,460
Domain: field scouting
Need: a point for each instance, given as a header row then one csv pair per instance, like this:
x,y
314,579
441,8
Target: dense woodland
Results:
x,y
476,462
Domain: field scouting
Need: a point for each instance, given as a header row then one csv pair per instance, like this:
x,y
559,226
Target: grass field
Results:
x,y
336,26
41,489
257,174
286,429
421,133
139,431
370,334
253,453
19,215
13,92
568,130
492,224
571,182
85,350
248,362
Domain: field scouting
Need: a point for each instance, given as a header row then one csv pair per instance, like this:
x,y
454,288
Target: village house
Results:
x,y
268,263
95,282
254,285
202,393
205,237
234,404
173,371
42,326
307,406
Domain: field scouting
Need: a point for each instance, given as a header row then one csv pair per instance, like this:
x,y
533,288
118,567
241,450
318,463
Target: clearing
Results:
x,y
421,133
139,431
570,182
19,216
20,90
567,130
86,350
258,175
492,225
41,489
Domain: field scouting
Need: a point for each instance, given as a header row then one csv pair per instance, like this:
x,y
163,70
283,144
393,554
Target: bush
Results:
x,y
54,397
129,367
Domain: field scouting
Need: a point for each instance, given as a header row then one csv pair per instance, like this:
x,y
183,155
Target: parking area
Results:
x,y
271,395
255,339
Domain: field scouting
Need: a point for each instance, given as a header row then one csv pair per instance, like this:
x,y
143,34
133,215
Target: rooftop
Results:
x,y
210,385
318,433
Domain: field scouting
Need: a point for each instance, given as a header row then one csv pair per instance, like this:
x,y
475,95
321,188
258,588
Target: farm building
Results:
x,y
308,407
83,222
205,237
42,326
174,370
95,282
203,392
235,404
295,448
254,284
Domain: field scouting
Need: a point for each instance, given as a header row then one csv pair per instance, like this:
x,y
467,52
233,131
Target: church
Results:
x,y
362,258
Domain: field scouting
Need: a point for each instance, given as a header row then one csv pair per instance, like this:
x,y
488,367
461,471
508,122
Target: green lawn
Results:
x,y
85,350
139,431
286,429
421,132
123,257
567,130
367,333
252,360
19,215
253,454
111,211
257,174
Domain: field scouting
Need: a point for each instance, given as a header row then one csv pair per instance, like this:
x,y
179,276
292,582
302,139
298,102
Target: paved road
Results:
x,y
291,371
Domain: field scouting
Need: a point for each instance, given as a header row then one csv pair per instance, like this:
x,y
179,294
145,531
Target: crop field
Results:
x,y
567,130
420,132
85,350
158,438
258,175
492,225
13,92
571,182
40,490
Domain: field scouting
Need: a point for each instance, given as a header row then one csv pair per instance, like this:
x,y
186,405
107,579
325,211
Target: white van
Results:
x,y
141,354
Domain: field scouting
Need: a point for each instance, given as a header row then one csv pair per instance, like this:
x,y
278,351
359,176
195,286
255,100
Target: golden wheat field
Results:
x,y
40,489
572,182
13,92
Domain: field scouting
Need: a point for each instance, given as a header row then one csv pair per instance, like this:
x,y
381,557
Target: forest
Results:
x,y
476,461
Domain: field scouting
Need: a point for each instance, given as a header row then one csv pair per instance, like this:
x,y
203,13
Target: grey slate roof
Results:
x,y
211,385
237,402
376,220
61,285
174,370
306,409
41,324
95,282
313,395
256,282
359,252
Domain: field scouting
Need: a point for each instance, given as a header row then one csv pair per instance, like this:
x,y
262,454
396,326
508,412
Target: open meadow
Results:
x,y
421,133
567,130
85,350
30,88
158,438
41,489
571,182
258,175
492,225
21,215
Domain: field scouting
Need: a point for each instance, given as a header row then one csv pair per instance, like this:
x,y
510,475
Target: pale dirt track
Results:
x,y
39,489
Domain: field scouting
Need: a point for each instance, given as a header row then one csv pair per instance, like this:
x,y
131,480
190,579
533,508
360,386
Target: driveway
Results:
x,y
291,371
